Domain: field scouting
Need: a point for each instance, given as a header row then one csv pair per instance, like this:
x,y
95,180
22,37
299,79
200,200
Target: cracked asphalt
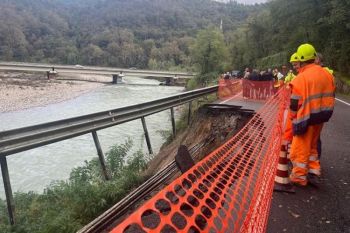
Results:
x,y
325,209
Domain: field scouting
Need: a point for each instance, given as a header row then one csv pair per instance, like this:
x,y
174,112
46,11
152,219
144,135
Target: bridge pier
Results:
x,y
117,78
51,73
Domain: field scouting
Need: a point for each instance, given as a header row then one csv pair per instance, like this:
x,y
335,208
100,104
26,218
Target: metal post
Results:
x,y
173,121
189,112
8,190
100,155
146,135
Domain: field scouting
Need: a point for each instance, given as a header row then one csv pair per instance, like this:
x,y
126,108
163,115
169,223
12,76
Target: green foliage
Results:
x,y
271,36
192,84
144,34
209,52
66,206
275,60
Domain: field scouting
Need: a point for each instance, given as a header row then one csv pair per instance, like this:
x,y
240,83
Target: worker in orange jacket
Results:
x,y
288,133
311,104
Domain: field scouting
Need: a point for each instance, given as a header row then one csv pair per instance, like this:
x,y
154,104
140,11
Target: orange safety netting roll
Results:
x,y
229,88
228,191
259,90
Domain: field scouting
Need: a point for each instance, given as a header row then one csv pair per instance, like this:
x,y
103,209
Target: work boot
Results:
x,y
314,180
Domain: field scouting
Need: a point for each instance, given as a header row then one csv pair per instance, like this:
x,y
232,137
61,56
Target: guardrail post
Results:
x,y
8,190
146,135
100,155
173,121
189,112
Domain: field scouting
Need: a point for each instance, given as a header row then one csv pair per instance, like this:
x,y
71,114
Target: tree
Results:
x,y
92,54
209,51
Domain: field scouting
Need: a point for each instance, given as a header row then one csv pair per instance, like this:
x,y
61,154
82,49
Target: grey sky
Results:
x,y
251,1
245,1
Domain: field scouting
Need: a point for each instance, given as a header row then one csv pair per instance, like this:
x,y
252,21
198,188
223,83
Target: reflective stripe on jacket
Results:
x,y
312,99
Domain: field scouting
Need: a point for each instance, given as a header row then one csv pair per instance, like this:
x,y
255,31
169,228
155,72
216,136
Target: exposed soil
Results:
x,y
211,128
20,91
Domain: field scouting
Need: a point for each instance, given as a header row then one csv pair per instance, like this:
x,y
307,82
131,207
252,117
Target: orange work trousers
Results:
x,y
304,155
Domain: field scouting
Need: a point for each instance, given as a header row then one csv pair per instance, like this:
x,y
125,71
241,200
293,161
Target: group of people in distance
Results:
x,y
279,77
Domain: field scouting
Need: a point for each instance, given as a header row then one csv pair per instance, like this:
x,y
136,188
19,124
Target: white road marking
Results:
x,y
343,101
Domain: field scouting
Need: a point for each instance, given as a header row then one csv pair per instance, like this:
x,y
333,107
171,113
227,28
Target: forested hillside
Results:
x,y
159,34
271,36
152,34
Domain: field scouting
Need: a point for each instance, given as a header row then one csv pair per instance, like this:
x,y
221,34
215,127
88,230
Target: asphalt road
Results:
x,y
326,209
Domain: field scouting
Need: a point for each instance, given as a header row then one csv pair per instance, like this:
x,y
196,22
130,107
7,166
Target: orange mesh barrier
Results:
x,y
228,191
259,90
229,88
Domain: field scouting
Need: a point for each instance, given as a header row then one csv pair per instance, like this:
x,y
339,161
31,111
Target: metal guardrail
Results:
x,y
21,139
89,69
17,140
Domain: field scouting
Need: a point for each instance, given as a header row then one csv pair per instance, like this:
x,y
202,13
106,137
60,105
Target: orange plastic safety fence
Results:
x,y
228,191
229,88
259,90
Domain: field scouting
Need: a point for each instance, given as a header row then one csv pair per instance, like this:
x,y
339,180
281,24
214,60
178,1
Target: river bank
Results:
x,y
20,91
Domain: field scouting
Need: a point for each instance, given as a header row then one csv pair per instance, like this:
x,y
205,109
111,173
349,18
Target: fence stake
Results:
x,y
8,190
146,135
100,155
173,121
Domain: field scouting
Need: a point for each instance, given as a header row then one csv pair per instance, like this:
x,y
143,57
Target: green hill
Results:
x,y
138,33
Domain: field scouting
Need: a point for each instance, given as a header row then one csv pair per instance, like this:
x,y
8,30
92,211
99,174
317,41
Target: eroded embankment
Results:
x,y
210,128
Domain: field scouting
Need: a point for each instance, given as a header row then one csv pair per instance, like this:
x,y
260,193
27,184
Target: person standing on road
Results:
x,y
296,65
311,104
288,132
319,61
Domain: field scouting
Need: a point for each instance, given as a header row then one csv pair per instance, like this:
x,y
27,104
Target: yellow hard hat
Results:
x,y
306,52
294,58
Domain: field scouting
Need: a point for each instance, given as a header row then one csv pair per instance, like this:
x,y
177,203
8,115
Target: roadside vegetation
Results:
x,y
66,206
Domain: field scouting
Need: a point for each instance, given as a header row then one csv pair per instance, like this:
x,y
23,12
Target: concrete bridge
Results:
x,y
53,69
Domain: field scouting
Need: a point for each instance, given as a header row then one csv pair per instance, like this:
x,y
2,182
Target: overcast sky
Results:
x,y
251,1
245,1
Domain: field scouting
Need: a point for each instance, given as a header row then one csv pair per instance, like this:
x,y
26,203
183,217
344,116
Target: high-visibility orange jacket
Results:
x,y
312,99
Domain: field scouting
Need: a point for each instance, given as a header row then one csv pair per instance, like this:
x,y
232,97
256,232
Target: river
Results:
x,y
34,169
